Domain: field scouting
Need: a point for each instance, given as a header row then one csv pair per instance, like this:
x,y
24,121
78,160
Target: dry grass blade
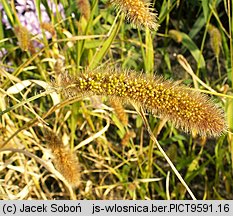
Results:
x,y
47,166
93,137
142,114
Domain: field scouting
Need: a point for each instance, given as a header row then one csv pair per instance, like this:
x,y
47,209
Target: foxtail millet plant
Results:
x,y
120,111
138,12
84,8
128,135
48,27
24,38
216,44
215,39
64,160
186,108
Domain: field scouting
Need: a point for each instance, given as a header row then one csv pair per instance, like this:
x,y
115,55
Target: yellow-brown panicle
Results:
x,y
84,8
119,110
64,160
138,12
186,108
48,27
23,37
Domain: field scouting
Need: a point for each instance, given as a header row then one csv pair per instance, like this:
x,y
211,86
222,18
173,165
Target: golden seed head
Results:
x,y
138,12
64,160
48,27
84,8
119,110
23,37
188,109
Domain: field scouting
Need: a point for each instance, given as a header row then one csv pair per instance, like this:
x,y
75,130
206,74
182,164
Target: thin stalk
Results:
x,y
142,114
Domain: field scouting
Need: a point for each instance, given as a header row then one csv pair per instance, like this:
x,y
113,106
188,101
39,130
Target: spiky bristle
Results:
x,y
84,8
215,39
23,37
138,12
64,160
119,110
188,109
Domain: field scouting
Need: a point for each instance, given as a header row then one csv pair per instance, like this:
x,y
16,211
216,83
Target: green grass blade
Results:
x,y
106,46
8,10
194,50
149,61
198,25
206,10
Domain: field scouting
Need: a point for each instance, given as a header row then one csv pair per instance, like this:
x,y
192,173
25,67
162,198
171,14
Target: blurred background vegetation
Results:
x,y
117,158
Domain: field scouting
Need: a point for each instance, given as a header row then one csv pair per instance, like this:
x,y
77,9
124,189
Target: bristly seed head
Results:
x,y
215,39
188,109
64,160
138,12
84,8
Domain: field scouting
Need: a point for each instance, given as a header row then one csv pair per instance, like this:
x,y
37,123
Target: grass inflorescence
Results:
x,y
188,109
215,39
119,110
118,151
24,39
64,160
138,12
84,8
